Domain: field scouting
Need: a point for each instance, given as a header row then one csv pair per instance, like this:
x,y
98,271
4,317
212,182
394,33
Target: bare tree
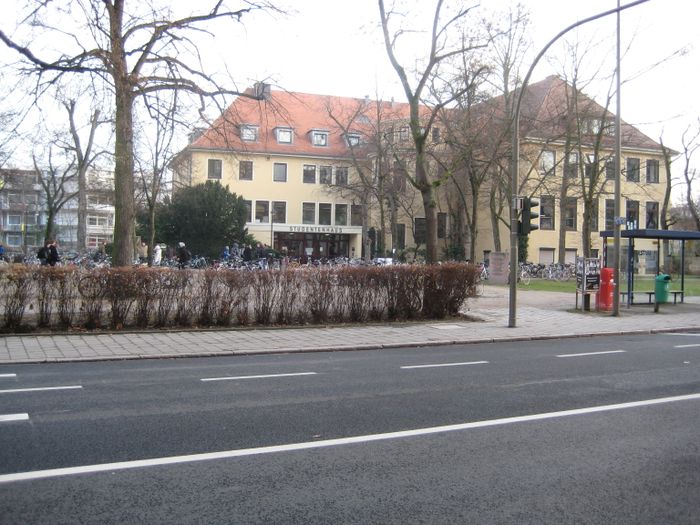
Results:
x,y
85,157
424,112
130,53
691,143
58,185
154,160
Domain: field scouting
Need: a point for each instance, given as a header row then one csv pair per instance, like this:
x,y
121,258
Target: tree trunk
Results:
x,y
82,210
123,254
495,222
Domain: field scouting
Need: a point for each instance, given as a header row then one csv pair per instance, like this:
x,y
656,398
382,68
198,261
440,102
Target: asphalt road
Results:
x,y
591,430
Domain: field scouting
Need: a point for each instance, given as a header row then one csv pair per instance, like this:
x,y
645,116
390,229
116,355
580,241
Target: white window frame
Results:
x,y
319,138
284,135
286,172
249,133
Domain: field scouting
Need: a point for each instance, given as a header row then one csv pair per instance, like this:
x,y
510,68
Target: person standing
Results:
x,y
52,257
157,255
183,255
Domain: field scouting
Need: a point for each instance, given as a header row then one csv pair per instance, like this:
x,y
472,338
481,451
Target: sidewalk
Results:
x,y
540,315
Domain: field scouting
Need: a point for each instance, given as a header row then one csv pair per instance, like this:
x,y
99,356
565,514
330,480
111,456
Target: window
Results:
x,y
96,220
652,171
14,240
547,162
633,169
594,215
652,221
319,138
590,167
309,174
632,215
245,170
399,177
609,214
280,172
419,230
592,126
262,211
400,241
547,212
284,135
214,169
570,213
610,169
308,213
325,175
14,220
14,198
341,214
441,225
352,139
341,176
249,133
279,212
99,200
435,135
324,213
248,205
355,215
571,167
403,134
609,127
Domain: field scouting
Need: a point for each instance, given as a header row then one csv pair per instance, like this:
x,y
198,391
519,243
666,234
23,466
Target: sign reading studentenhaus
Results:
x,y
315,229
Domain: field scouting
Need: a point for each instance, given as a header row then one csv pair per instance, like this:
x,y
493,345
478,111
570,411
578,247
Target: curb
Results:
x,y
345,348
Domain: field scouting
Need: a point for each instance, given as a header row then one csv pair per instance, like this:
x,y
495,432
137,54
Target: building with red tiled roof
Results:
x,y
295,158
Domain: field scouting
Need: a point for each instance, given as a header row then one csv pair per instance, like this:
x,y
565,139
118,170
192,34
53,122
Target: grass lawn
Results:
x,y
644,283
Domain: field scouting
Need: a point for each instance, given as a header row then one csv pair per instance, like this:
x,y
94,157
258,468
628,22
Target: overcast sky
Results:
x,y
335,47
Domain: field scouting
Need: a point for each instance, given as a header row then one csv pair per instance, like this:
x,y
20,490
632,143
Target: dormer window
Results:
x,y
352,139
284,135
319,138
249,133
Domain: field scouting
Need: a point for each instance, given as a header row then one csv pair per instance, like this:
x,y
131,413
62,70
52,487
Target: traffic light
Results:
x,y
528,214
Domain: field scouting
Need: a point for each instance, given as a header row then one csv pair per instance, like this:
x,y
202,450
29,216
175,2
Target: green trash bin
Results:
x,y
661,285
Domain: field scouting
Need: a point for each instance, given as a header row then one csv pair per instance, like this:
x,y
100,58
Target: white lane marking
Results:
x,y
593,353
227,454
446,364
40,389
13,417
686,346
8,375
257,377
684,334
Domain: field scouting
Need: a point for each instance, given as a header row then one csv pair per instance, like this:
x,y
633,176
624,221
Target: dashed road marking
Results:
x,y
13,417
40,389
8,375
687,346
593,353
265,376
438,365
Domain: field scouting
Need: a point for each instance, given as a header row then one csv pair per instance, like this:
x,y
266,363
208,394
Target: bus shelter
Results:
x,y
658,235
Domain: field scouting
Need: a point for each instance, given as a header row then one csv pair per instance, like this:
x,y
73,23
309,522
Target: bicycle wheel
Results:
x,y
525,278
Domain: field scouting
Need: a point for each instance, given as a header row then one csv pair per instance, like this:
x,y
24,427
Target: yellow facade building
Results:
x,y
307,166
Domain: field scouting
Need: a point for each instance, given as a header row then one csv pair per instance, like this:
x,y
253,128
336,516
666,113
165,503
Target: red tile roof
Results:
x,y
303,113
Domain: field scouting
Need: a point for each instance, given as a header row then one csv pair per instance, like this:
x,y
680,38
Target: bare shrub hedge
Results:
x,y
66,298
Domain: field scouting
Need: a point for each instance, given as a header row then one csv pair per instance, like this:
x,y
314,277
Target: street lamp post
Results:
x,y
515,155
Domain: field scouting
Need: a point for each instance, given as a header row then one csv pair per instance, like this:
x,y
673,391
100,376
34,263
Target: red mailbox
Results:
x,y
604,296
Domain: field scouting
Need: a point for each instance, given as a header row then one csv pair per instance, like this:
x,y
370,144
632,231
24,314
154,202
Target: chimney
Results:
x,y
195,134
261,91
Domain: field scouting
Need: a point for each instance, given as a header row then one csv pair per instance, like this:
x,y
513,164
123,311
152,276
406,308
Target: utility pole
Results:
x,y
515,155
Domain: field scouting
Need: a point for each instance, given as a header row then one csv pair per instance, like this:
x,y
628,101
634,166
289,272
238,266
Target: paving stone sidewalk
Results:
x,y
539,315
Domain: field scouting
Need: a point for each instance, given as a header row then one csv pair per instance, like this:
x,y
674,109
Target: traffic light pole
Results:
x,y
515,157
